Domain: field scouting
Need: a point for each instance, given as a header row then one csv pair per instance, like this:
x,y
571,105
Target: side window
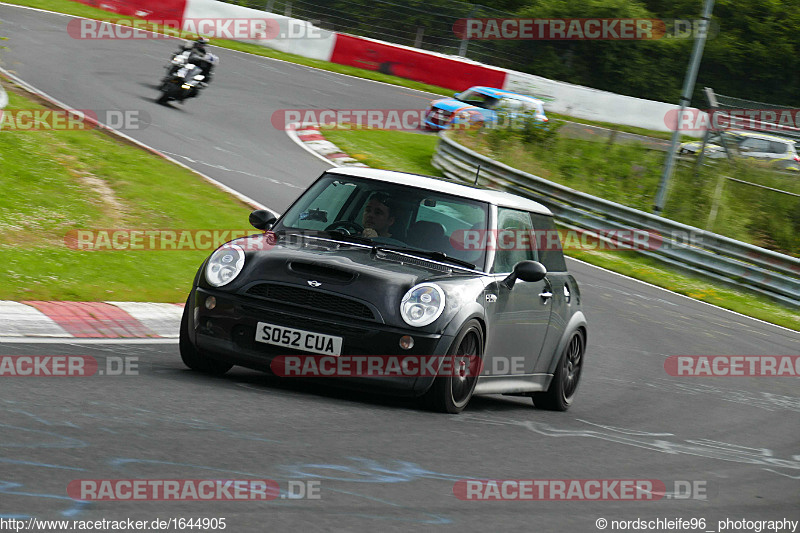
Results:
x,y
509,104
513,242
548,243
754,145
777,148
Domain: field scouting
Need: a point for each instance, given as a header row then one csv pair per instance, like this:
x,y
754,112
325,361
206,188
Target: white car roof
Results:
x,y
499,198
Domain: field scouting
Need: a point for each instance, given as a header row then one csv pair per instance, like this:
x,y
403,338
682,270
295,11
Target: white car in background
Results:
x,y
780,152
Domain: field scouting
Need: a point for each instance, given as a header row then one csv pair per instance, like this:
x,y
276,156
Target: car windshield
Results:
x,y
386,214
478,99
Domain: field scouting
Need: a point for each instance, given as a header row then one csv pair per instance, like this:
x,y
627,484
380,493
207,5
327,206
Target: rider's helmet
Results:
x,y
200,45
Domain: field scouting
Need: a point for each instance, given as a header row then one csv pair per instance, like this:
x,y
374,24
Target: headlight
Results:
x,y
422,304
224,265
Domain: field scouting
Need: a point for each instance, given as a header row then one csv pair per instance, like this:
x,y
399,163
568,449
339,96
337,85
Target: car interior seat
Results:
x,y
428,235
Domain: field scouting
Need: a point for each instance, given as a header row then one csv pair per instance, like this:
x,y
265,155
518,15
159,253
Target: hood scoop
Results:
x,y
321,272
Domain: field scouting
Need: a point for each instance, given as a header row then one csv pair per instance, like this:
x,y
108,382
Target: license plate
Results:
x,y
298,339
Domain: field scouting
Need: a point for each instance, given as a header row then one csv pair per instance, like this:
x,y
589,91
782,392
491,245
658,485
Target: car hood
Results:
x,y
377,278
452,105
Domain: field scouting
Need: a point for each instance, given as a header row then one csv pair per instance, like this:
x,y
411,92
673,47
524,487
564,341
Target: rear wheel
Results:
x,y
565,380
191,356
452,390
164,98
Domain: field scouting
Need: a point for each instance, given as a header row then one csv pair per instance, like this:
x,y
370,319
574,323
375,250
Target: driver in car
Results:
x,y
378,216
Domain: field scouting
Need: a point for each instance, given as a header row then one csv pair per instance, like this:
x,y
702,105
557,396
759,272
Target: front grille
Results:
x,y
322,326
311,299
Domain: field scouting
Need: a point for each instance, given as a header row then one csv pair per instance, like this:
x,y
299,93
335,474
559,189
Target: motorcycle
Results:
x,y
183,81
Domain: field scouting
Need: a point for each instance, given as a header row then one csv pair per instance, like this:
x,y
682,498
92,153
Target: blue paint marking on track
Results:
x,y
45,465
69,442
370,471
7,487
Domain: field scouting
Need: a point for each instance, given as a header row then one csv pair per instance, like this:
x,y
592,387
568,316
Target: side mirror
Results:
x,y
263,219
526,271
456,95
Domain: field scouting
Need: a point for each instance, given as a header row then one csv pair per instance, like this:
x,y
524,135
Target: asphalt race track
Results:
x,y
376,463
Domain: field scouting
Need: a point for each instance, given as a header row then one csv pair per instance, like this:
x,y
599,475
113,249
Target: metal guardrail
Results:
x,y
691,249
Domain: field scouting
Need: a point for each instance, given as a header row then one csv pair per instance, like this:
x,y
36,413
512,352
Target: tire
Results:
x,y
191,356
451,394
562,389
163,99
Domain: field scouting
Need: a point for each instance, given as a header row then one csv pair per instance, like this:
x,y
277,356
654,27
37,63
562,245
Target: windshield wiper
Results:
x,y
334,236
350,238
439,256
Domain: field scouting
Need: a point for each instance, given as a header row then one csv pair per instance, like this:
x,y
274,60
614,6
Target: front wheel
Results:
x,y
565,380
452,389
191,356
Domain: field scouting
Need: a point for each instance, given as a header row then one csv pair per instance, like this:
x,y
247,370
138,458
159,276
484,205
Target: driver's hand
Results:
x,y
369,233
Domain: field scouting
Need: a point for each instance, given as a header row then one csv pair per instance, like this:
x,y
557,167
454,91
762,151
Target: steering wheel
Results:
x,y
349,227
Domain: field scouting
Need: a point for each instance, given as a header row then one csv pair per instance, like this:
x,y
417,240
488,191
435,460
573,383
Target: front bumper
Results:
x,y
228,332
437,119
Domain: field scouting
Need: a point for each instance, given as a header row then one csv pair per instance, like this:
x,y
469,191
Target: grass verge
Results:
x,y
375,148
410,152
57,182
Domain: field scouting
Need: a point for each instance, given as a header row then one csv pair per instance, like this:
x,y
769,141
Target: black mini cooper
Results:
x,y
466,288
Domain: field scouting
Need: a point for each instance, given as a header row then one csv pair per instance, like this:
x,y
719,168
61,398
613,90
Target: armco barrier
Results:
x,y
732,262
414,64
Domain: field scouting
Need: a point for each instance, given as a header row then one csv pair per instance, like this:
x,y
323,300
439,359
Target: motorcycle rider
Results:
x,y
195,53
